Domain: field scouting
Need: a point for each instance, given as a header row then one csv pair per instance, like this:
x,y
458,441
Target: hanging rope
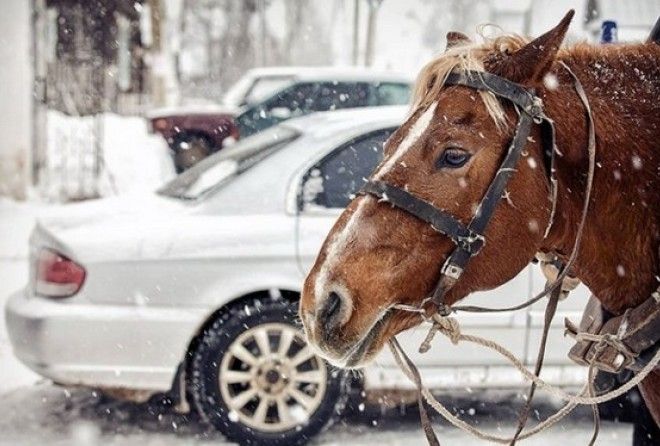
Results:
x,y
450,327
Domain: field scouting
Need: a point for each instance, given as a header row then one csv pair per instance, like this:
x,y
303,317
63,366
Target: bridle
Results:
x,y
470,239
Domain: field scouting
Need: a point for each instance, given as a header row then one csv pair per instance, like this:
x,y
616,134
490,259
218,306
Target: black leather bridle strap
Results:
x,y
465,238
499,86
457,261
496,189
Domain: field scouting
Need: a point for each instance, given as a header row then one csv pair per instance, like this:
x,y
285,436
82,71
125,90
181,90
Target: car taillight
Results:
x,y
57,275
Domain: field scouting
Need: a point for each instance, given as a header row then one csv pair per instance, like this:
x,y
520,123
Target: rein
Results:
x,y
469,240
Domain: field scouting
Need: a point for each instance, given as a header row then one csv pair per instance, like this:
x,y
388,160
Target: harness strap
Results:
x,y
399,354
456,262
550,311
614,343
591,150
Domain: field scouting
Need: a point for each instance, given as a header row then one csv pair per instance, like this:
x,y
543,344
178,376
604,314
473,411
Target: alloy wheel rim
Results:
x,y
270,379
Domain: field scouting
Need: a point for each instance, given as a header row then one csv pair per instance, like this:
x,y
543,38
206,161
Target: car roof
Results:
x,y
331,73
322,125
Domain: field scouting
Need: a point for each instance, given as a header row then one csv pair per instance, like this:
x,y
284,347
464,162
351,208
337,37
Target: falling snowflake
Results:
x,y
620,271
550,81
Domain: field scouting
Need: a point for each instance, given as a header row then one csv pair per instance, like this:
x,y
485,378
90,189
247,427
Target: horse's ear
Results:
x,y
456,38
530,63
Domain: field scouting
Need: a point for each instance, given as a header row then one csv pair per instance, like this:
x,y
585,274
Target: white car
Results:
x,y
197,286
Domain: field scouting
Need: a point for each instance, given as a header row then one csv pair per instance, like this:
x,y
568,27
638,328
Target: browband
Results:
x,y
482,80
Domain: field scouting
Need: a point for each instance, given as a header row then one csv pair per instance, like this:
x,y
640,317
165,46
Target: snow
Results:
x,y
44,412
132,160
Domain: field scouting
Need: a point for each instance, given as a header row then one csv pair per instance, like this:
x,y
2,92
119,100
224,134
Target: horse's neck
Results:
x,y
618,257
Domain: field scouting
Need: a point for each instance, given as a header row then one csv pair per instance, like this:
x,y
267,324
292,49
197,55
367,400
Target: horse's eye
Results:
x,y
453,158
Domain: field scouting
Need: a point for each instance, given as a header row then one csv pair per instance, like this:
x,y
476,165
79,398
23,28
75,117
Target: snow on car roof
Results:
x,y
324,124
331,73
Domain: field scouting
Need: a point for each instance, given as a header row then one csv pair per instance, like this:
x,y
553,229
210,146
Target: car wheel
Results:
x,y
255,379
189,150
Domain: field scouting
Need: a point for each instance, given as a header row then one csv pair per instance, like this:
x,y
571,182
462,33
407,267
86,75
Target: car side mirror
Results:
x,y
281,113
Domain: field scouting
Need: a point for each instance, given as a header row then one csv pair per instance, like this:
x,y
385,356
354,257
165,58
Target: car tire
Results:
x,y
283,396
189,149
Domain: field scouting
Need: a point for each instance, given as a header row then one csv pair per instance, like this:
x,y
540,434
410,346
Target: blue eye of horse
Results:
x,y
453,158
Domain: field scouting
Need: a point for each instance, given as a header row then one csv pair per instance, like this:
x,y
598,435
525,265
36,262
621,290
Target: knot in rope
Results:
x,y
446,325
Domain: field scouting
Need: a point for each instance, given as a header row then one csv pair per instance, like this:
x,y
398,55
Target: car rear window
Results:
x,y
213,172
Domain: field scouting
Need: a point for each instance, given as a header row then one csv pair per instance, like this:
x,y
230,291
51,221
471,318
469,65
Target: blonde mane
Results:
x,y
468,56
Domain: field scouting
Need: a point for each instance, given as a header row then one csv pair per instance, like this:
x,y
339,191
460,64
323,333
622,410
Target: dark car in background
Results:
x,y
264,97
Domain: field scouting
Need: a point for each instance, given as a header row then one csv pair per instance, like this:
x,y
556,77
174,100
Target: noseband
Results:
x,y
469,239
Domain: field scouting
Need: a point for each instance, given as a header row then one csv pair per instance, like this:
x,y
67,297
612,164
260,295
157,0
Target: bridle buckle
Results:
x,y
452,270
535,110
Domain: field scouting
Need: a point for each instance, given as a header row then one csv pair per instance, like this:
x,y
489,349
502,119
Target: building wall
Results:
x,y
15,93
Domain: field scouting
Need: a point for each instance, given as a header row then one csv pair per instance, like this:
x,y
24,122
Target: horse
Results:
x,y
379,258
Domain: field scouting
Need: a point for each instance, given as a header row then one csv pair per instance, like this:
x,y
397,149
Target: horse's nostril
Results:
x,y
331,309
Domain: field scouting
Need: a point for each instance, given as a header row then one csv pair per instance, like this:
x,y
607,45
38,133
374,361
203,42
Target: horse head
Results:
x,y
447,153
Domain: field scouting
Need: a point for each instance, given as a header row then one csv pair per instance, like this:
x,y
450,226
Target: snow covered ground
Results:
x,y
35,411
83,417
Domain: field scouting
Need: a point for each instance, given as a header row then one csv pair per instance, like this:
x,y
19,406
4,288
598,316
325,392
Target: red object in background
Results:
x,y
214,127
57,275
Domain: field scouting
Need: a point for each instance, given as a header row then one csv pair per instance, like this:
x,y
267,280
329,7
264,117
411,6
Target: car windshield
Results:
x,y
213,172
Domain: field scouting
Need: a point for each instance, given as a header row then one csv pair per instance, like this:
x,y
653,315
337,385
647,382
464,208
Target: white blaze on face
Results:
x,y
322,287
415,132
340,240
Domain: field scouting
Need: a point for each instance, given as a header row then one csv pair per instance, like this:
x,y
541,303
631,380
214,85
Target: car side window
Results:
x,y
390,93
338,95
334,181
297,98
